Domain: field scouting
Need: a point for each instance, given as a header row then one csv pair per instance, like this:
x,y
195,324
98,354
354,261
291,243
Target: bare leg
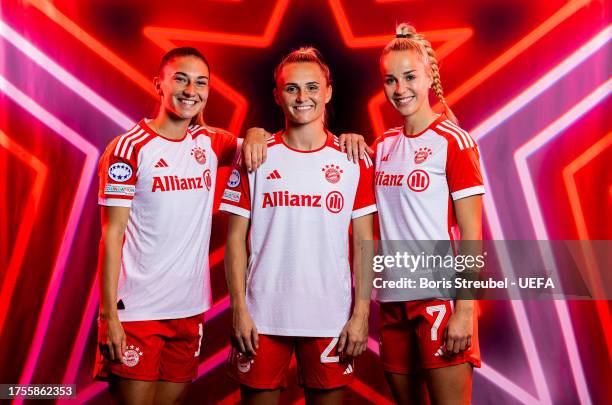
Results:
x,y
408,388
253,396
132,392
170,393
323,397
450,385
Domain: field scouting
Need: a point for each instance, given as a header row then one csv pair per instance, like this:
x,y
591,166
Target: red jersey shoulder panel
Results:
x,y
454,134
223,143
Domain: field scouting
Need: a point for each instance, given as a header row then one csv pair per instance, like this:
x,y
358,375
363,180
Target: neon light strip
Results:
x,y
482,131
453,37
553,21
81,89
130,72
521,157
506,384
90,42
213,361
89,168
522,154
376,102
591,47
27,222
163,36
569,172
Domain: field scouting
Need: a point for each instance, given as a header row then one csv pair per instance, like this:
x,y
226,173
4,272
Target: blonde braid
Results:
x,y
437,83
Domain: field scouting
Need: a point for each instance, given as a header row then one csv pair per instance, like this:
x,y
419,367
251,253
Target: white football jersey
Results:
x,y
169,186
300,205
417,178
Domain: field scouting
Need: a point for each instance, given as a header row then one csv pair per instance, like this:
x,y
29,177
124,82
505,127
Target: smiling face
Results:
x,y
302,91
406,81
183,86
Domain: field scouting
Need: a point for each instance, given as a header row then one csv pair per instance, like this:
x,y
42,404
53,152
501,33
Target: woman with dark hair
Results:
x,y
157,184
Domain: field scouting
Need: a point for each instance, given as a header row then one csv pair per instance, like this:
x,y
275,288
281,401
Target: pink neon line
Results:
x,y
522,154
218,307
62,75
87,173
373,346
84,327
503,382
483,130
521,157
558,72
213,361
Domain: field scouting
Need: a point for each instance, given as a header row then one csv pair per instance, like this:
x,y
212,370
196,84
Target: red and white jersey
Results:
x,y
417,179
419,176
169,186
300,205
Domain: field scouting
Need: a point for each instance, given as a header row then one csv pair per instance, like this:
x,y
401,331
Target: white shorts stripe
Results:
x,y
122,139
453,134
134,142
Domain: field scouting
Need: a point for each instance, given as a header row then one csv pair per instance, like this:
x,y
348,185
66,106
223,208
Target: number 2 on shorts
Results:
x,y
325,357
441,310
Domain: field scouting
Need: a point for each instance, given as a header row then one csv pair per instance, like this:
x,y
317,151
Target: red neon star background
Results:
x,y
490,53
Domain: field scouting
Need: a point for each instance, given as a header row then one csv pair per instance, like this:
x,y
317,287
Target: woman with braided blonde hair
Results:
x,y
427,184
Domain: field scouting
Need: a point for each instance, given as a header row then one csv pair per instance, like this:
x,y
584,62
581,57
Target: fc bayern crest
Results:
x,y
131,357
199,154
244,363
332,173
421,155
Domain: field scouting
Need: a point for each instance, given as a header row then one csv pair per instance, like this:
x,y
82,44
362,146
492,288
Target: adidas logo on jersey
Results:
x,y
349,370
161,163
384,179
274,175
175,183
284,199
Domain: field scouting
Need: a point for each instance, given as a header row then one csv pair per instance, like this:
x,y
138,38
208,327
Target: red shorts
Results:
x,y
165,350
318,364
412,337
